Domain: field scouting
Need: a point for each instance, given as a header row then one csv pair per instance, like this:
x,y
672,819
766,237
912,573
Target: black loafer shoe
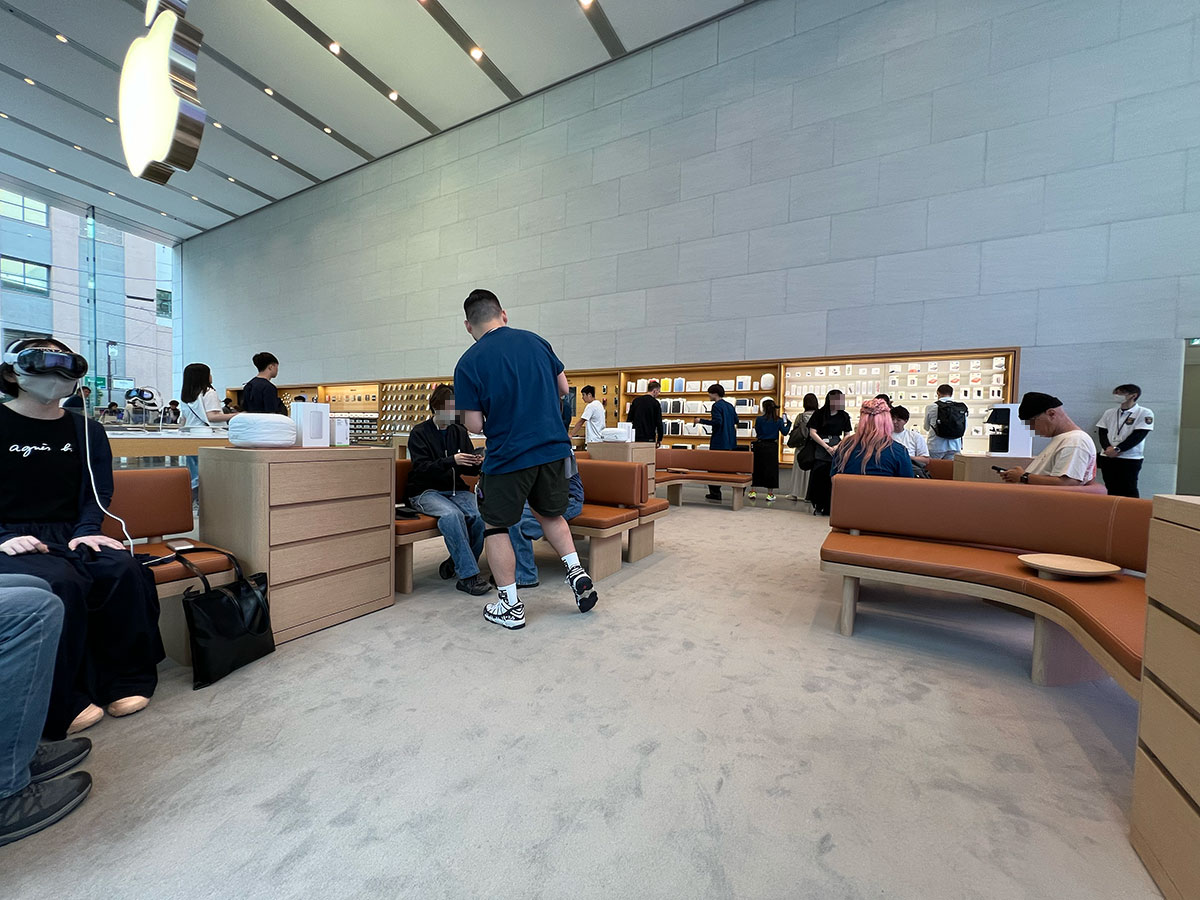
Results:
x,y
52,759
446,569
41,805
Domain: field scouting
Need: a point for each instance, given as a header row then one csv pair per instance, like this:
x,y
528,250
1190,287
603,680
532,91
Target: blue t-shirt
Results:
x,y
767,429
894,460
511,376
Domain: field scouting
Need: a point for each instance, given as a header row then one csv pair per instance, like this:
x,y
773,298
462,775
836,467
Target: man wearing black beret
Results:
x,y
1069,458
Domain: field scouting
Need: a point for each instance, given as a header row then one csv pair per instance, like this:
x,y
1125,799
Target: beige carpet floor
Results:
x,y
704,733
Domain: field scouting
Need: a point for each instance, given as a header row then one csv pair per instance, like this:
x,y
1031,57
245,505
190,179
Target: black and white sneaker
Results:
x,y
581,583
511,616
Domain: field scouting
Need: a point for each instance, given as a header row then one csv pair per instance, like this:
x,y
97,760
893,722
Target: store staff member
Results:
x,y
1123,433
1069,458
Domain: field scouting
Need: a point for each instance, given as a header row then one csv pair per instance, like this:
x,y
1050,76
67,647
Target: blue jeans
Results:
x,y
193,465
460,524
524,533
31,620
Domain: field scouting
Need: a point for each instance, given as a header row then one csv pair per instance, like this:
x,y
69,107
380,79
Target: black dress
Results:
x,y
831,427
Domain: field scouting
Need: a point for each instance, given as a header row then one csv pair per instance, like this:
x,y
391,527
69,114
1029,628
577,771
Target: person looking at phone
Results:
x,y
1069,458
57,482
441,453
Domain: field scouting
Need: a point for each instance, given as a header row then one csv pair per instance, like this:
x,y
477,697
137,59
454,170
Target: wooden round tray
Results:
x,y
1050,565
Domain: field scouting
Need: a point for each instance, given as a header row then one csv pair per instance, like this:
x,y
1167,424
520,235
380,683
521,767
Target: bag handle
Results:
x,y
181,554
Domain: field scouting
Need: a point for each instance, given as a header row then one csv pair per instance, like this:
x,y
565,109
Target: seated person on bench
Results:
x,y
441,453
524,533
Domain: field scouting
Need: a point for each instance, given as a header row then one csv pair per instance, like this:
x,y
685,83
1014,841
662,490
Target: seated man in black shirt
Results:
x,y
441,453
259,395
57,481
645,412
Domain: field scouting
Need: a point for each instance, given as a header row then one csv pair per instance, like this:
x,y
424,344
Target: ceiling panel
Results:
x,y
262,41
40,57
641,22
402,44
534,42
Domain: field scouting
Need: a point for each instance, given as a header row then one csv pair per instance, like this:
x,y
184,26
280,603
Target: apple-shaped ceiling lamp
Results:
x,y
162,120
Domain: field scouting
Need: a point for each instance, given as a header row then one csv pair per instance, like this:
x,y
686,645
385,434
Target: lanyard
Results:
x,y
1123,416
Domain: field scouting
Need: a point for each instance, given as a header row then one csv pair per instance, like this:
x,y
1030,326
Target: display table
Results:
x,y
320,523
1165,827
141,445
977,467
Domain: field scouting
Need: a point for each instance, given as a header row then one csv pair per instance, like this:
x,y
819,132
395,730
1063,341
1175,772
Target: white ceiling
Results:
x,y
249,44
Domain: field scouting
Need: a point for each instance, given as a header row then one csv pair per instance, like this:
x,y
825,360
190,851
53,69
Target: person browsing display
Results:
x,y
53,499
201,412
1123,433
767,430
1069,458
259,394
645,413
723,420
591,420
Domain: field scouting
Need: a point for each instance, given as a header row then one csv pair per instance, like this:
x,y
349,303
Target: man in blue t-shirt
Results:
x,y
509,386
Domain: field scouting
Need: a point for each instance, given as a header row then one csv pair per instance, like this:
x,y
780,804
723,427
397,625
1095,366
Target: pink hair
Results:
x,y
873,435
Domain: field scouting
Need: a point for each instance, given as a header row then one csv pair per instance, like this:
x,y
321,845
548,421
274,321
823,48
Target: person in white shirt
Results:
x,y
944,443
592,418
201,410
912,441
1123,432
1069,458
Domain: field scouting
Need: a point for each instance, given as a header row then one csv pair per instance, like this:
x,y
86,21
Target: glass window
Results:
x,y
24,276
23,209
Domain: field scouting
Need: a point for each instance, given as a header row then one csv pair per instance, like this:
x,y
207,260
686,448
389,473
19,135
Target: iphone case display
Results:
x,y
364,427
403,405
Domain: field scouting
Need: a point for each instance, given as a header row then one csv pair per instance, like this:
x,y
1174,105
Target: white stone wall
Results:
x,y
802,177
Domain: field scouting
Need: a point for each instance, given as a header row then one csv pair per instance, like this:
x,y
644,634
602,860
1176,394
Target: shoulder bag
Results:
x,y
228,625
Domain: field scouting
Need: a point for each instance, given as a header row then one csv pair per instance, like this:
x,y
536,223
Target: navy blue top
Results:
x,y
723,420
770,429
511,376
894,460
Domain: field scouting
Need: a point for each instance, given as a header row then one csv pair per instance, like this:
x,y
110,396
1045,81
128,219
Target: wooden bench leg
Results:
x,y
641,542
739,498
675,493
604,556
1058,659
404,569
849,605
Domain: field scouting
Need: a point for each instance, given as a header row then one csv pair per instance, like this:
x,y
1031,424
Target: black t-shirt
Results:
x,y
42,469
830,425
259,396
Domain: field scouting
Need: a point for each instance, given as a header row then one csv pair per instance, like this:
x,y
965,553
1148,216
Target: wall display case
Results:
x,y
607,383
403,405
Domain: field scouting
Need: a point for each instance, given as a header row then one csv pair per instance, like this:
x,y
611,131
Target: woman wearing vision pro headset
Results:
x,y
56,482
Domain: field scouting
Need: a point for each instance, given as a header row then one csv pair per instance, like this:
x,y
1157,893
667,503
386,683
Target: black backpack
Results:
x,y
951,419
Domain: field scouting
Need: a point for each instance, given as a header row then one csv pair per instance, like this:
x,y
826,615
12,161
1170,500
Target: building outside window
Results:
x,y
23,209
18,274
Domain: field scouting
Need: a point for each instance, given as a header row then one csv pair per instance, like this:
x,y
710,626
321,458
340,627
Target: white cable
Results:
x,y
87,453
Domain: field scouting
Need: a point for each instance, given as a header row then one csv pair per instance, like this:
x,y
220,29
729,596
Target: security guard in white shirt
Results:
x,y
1123,441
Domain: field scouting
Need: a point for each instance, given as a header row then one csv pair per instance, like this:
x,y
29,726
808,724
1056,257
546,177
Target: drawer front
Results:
x,y
305,523
305,601
1172,735
1171,566
305,482
1172,652
311,558
1166,831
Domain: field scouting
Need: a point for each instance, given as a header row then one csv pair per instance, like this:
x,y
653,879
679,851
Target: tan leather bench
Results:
x,y
727,468
641,538
964,538
409,531
155,504
612,493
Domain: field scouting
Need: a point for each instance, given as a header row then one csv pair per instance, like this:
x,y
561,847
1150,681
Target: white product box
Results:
x,y
341,432
312,424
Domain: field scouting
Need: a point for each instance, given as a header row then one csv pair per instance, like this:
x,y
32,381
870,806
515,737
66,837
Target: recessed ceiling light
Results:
x,y
230,177
327,130
30,81
585,3
111,194
217,125
275,156
268,92
108,119
55,171
60,38
76,146
335,48
394,96
3,115
162,213
194,197
476,54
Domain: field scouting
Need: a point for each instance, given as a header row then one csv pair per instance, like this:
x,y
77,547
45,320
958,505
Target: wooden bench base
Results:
x,y
675,493
604,548
404,557
1059,642
641,542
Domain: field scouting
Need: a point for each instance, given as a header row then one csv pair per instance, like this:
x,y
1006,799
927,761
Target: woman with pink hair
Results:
x,y
870,450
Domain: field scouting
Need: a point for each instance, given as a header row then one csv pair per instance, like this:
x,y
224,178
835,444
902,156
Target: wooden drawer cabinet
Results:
x,y
320,523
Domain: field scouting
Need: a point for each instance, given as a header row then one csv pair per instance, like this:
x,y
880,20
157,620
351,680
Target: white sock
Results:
x,y
571,560
509,592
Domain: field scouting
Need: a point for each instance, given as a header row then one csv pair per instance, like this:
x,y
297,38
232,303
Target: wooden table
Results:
x,y
977,467
141,446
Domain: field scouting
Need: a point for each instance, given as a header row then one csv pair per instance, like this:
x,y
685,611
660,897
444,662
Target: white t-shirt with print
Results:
x,y
195,414
594,415
1121,423
912,441
1071,453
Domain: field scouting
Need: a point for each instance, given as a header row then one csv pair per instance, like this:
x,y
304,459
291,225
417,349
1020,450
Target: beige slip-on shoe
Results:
x,y
127,706
90,716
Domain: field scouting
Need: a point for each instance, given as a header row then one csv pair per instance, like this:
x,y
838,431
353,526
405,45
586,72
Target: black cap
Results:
x,y
1035,403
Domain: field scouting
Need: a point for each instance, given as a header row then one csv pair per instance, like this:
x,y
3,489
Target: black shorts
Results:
x,y
502,497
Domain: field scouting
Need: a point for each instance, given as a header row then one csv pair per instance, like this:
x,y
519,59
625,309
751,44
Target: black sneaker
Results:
x,y
581,584
715,498
52,759
520,587
446,569
41,805
476,585
501,613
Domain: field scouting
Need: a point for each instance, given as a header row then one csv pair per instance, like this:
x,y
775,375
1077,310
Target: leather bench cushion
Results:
x,y
595,515
662,477
652,506
152,502
208,563
613,483
727,461
1111,610
413,526
941,469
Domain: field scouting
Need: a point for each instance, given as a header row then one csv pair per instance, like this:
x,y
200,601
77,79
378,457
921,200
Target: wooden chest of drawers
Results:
x,y
320,523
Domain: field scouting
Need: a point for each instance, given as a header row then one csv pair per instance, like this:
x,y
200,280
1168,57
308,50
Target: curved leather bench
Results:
x,y
732,468
965,537
155,504
941,469
612,494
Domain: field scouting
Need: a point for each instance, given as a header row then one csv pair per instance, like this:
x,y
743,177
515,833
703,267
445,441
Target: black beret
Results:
x,y
1035,403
